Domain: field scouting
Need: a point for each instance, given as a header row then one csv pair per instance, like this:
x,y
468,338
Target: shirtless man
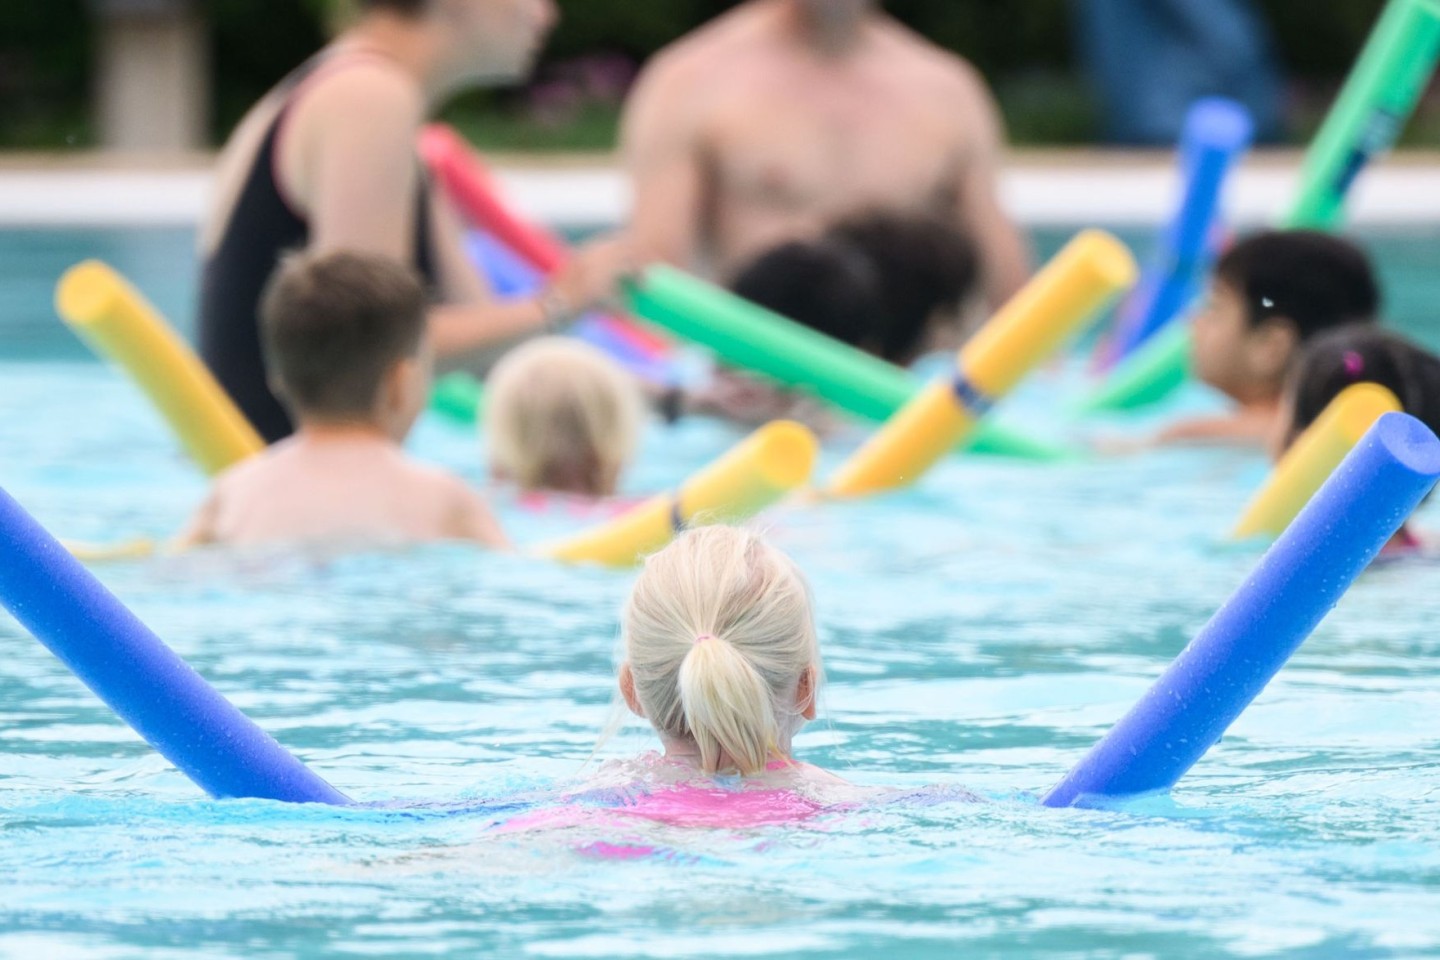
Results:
x,y
783,116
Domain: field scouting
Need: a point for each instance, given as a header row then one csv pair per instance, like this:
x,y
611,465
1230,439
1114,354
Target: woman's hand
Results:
x,y
590,278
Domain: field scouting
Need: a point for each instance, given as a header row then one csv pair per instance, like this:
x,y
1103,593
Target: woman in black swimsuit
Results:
x,y
327,161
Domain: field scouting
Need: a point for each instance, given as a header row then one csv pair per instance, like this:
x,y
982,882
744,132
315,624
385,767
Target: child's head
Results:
x,y
1359,354
877,281
1270,294
561,415
928,270
826,285
344,339
720,649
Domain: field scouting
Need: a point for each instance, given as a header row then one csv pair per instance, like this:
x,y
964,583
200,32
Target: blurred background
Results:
x,y
163,75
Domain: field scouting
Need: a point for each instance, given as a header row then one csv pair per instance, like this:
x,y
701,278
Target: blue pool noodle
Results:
x,y
154,691
509,275
1245,644
1217,131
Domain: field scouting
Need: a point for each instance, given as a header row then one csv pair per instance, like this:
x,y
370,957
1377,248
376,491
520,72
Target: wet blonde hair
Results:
x,y
718,633
561,415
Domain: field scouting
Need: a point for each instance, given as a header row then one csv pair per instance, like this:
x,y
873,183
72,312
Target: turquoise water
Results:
x,y
981,630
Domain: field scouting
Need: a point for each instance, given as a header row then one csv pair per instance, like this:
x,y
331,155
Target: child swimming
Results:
x,y
720,655
561,416
345,341
1270,294
893,285
1359,354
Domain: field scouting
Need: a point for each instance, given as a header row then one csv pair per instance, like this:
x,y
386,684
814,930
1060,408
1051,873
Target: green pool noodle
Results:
x,y
1378,97
458,396
1148,376
753,338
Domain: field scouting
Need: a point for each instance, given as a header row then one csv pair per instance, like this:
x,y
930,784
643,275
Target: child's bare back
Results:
x,y
341,486
346,348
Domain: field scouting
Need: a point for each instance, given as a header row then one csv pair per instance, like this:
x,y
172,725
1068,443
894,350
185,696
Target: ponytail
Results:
x,y
728,708
718,638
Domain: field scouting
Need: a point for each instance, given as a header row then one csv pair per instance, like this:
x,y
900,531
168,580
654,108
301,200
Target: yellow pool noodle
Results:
x,y
109,552
773,461
120,324
1313,457
1084,276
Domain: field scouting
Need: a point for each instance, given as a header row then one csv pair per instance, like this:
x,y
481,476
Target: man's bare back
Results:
x,y
763,127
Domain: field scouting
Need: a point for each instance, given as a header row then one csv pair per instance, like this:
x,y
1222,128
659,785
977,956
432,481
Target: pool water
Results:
x,y
979,631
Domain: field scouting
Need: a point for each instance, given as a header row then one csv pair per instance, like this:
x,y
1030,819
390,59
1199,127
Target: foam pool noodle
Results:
x,y
1216,133
1377,99
1148,375
458,396
1082,278
470,185
1313,457
467,181
165,701
748,336
1233,657
510,277
118,323
775,460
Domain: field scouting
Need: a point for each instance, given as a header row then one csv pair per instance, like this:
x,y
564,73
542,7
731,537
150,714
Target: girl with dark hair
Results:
x,y
1359,354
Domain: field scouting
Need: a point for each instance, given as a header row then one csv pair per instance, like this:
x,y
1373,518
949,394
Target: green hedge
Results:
x,y
1023,47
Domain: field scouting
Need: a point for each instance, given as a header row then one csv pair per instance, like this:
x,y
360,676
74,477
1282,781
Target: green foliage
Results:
x,y
252,52
1022,46
45,70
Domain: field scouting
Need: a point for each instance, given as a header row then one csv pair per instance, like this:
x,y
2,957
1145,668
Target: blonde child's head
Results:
x,y
561,415
720,649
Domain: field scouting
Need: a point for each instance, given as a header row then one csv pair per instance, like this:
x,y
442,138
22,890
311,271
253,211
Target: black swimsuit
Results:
x,y
261,230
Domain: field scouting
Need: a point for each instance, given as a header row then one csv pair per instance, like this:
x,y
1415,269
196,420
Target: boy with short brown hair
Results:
x,y
346,350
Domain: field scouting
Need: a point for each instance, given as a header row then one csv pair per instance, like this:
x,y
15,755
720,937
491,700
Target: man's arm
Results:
x,y
1004,252
662,153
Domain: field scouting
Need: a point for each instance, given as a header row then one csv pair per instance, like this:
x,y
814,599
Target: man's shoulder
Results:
x,y
709,45
943,69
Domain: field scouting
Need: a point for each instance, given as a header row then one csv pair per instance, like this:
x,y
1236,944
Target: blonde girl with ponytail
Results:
x,y
720,654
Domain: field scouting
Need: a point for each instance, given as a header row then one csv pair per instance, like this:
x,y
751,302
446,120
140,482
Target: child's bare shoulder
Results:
x,y
435,480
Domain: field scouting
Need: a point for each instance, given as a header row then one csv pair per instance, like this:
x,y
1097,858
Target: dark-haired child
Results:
x,y
1270,294
890,284
345,338
1359,354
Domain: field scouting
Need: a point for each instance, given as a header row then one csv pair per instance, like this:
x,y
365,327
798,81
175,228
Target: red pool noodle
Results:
x,y
470,184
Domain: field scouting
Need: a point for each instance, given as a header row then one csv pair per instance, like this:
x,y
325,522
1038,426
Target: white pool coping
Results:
x,y
1063,190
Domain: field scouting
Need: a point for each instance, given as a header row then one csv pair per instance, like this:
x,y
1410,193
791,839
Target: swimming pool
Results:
x,y
981,630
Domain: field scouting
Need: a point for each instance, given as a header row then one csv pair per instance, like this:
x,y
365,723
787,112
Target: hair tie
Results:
x,y
1354,363
703,637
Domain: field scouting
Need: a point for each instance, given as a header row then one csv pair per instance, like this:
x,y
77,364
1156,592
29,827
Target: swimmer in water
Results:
x,y
561,417
720,655
893,285
1270,294
345,337
1359,354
